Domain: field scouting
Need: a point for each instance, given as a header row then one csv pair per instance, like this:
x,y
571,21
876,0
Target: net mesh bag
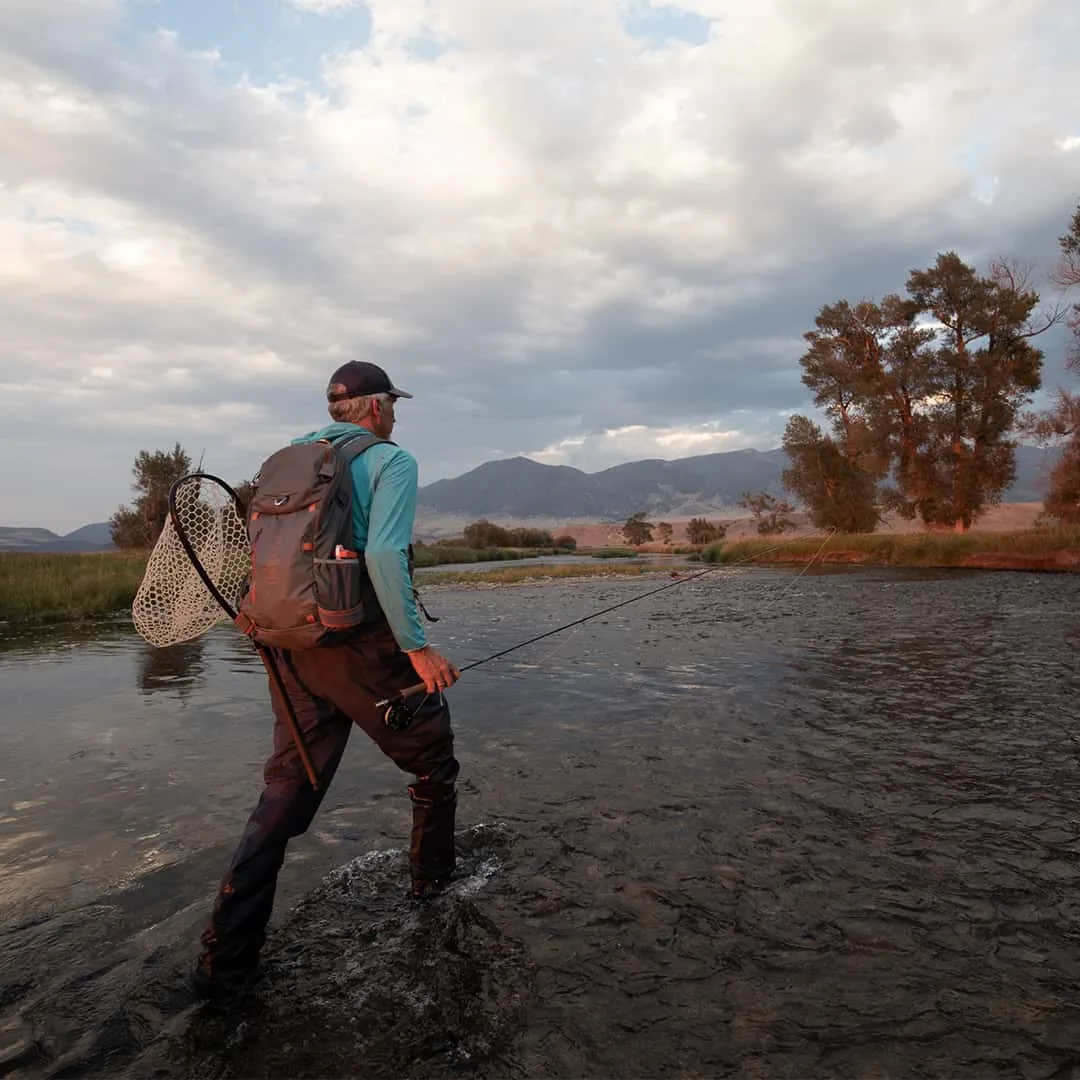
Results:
x,y
173,603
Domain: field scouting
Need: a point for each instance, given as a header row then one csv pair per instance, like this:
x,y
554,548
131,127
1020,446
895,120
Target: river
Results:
x,y
765,824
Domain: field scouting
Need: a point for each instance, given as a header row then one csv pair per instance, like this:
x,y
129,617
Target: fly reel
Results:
x,y
398,716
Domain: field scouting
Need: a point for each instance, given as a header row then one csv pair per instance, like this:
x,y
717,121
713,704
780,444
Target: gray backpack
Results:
x,y
308,584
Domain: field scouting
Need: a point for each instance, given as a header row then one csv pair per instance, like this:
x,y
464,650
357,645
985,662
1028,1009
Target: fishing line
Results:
x,y
397,700
810,562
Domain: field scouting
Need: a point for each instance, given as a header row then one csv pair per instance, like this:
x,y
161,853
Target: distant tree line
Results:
x,y
769,514
486,534
638,530
1060,424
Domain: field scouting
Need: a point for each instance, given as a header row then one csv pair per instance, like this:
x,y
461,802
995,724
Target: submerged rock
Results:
x,y
360,982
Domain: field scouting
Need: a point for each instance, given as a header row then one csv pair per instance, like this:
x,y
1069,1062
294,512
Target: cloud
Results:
x,y
551,223
639,441
322,7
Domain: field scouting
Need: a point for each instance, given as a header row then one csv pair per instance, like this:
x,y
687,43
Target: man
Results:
x,y
333,687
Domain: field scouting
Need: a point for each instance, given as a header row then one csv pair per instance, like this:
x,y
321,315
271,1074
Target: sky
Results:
x,y
587,231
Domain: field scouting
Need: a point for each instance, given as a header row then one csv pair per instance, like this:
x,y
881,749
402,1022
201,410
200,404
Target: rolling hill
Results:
x,y
89,538
522,488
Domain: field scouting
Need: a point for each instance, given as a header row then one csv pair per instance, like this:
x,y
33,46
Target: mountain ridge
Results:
x,y
520,487
85,539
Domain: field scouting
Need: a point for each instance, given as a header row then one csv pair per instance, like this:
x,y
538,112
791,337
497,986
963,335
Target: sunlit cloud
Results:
x,y
595,452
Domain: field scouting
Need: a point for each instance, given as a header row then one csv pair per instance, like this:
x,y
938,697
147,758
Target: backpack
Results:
x,y
308,585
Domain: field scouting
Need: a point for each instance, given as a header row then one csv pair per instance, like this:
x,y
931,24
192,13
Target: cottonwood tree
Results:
x,y
245,492
485,534
924,392
1060,425
637,530
984,371
771,515
838,493
1067,276
664,532
702,531
864,365
1062,500
140,525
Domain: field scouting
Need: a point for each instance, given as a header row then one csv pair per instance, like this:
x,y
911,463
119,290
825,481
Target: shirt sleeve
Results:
x,y
390,526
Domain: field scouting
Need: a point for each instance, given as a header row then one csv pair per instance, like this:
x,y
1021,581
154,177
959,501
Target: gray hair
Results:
x,y
356,410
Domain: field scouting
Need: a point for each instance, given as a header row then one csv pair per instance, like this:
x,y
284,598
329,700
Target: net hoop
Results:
x,y
197,568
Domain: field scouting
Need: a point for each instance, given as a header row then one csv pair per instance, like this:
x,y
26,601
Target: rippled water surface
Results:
x,y
761,825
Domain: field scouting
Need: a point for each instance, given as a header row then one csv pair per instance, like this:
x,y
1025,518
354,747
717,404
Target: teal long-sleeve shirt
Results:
x,y
384,509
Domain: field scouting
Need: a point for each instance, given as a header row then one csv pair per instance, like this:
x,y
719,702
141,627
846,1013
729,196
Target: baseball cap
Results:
x,y
360,378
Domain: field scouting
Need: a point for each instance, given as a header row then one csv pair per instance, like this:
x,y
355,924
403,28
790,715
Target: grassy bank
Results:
x,y
1031,549
513,575
444,555
52,588
55,588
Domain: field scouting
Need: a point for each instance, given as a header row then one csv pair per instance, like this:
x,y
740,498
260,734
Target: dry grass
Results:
x,y
444,554
912,549
55,588
518,574
51,588
1006,517
38,587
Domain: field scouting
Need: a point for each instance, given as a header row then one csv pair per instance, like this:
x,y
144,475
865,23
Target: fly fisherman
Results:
x,y
333,686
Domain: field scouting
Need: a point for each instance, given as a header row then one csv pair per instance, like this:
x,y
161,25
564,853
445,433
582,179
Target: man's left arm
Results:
x,y
390,526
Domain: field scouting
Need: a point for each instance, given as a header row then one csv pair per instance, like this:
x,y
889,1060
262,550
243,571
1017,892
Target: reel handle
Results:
x,y
400,695
398,716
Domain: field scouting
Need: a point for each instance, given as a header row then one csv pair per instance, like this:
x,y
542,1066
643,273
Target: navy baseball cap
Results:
x,y
359,379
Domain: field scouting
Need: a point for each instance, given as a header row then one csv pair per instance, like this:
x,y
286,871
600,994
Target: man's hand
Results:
x,y
436,671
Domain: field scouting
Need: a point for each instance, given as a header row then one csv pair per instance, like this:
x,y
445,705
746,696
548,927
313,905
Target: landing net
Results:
x,y
173,603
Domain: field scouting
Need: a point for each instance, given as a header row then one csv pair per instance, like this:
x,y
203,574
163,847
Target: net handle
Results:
x,y
185,543
264,654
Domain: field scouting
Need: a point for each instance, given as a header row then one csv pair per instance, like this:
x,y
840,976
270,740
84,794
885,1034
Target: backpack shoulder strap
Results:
x,y
352,446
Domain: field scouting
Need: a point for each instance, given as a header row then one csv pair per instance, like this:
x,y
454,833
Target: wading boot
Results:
x,y
423,893
212,981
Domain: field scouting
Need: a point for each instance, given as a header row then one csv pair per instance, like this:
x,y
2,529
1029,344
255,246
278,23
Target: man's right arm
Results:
x,y
390,525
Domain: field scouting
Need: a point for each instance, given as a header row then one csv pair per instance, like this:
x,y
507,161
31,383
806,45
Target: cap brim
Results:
x,y
398,393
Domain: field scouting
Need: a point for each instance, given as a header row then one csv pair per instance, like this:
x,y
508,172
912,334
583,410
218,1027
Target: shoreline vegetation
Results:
x,y
1044,549
49,588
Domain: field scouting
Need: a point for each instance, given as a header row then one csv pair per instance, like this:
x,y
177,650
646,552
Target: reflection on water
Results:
x,y
178,667
37,642
760,825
